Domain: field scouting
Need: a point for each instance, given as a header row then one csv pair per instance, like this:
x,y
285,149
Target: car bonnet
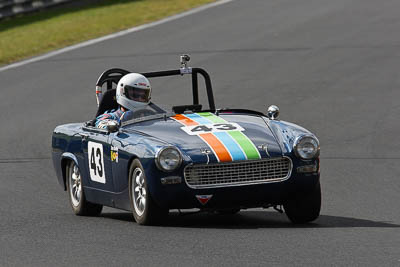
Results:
x,y
206,136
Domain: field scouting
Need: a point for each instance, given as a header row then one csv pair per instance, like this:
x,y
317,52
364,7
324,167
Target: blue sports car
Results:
x,y
215,160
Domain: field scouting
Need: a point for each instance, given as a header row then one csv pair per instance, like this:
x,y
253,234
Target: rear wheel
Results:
x,y
304,208
145,210
76,195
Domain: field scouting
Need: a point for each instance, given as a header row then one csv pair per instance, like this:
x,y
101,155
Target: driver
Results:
x,y
133,92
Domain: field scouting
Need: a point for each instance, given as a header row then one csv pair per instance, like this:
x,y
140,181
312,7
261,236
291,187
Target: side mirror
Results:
x,y
112,127
273,112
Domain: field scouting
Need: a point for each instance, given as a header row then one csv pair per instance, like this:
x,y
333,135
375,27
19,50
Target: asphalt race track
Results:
x,y
331,66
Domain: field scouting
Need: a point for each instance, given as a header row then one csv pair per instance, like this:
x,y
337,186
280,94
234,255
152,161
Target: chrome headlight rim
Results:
x,y
158,154
297,142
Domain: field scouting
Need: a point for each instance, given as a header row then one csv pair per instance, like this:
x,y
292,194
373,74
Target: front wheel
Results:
x,y
304,208
145,210
76,195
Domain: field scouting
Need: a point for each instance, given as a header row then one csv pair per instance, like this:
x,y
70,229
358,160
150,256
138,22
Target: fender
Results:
x,y
64,159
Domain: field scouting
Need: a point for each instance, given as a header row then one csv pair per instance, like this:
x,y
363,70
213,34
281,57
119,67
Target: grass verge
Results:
x,y
35,34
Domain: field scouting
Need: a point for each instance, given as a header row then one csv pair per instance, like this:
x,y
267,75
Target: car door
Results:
x,y
97,153
120,159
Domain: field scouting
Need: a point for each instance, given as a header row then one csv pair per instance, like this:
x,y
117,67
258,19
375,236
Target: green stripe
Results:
x,y
213,118
244,142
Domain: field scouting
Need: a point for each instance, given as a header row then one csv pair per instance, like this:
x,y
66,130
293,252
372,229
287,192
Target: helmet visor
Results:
x,y
137,94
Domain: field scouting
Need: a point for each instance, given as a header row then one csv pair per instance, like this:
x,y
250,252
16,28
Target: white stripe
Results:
x,y
114,35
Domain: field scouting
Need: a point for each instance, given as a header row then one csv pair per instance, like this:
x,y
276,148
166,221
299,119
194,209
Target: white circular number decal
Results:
x,y
212,128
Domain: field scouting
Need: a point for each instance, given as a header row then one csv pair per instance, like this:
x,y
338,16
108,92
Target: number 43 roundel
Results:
x,y
212,128
96,163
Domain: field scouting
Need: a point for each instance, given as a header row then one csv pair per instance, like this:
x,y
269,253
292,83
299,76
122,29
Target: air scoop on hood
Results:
x,y
228,137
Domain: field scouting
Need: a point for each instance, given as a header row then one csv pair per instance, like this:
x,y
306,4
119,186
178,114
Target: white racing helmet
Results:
x,y
133,91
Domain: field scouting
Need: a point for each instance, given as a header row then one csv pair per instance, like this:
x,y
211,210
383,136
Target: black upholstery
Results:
x,y
108,102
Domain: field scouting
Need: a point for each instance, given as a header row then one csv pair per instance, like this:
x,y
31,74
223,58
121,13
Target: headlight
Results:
x,y
306,147
168,159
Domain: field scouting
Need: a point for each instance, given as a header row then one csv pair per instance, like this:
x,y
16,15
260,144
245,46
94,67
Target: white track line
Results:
x,y
114,35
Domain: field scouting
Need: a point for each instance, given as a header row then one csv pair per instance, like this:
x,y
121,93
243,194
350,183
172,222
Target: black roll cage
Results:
x,y
115,74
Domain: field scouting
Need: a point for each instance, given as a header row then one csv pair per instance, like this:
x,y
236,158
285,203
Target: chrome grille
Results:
x,y
238,173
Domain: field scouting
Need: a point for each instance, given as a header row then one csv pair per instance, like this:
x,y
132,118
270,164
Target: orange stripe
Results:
x,y
219,149
184,120
217,146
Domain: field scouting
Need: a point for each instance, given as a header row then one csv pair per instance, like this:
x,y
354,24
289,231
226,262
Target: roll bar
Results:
x,y
115,74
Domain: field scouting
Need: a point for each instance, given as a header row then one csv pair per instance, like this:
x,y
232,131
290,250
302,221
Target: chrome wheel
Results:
x,y
139,191
75,185
144,209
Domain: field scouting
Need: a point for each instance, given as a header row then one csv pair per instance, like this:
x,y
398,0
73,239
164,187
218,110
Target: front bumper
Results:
x,y
181,196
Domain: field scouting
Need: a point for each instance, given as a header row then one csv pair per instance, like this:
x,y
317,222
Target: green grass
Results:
x,y
35,34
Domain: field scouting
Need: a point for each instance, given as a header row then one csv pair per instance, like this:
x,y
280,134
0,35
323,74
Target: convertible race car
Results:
x,y
215,160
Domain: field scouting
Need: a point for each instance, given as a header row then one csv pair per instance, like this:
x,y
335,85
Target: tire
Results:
x,y
305,208
145,210
76,194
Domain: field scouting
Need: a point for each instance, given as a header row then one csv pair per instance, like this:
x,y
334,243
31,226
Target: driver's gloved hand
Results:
x,y
104,123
